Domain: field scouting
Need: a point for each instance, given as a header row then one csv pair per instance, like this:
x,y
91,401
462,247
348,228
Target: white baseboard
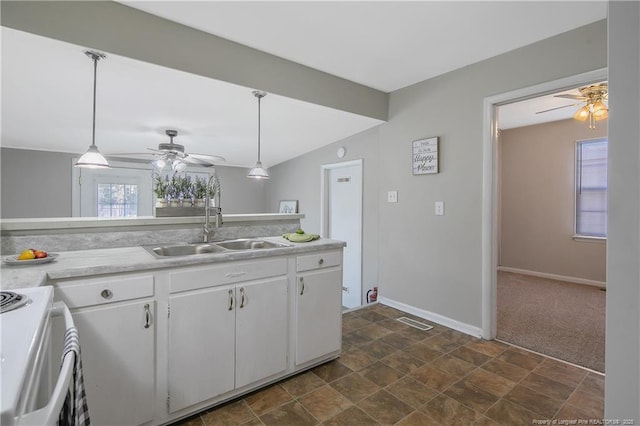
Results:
x,y
431,316
553,276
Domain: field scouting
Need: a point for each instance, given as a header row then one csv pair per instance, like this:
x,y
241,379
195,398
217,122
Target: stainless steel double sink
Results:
x,y
161,251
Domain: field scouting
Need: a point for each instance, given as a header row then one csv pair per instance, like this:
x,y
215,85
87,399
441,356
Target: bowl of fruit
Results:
x,y
30,257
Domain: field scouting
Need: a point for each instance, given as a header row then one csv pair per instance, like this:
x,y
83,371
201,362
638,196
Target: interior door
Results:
x,y
345,223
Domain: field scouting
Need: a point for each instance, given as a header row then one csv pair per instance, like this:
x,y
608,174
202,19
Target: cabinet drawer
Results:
x,y
226,273
104,290
318,260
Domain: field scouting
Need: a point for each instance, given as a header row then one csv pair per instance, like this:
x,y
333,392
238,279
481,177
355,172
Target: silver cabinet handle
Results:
x,y
321,261
242,297
147,316
301,286
106,293
230,307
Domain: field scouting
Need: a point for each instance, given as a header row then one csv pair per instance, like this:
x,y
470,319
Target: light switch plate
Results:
x,y
392,196
439,208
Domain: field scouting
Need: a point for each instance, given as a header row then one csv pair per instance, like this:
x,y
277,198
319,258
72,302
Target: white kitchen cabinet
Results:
x,y
115,319
261,330
318,308
224,337
201,345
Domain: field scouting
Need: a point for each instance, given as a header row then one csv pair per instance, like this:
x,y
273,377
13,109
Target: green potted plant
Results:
x,y
199,191
186,190
173,191
160,188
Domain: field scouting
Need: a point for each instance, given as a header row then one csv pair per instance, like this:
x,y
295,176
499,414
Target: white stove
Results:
x,y
24,350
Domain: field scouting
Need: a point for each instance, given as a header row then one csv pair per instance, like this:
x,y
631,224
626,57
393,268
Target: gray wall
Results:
x,y
430,262
299,179
622,385
35,184
433,262
38,184
538,201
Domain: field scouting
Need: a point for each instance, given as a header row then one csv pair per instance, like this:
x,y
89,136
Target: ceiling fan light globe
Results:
x,y
178,166
159,164
582,114
600,111
92,159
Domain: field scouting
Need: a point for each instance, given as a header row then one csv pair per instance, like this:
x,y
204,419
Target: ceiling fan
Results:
x,y
593,98
172,156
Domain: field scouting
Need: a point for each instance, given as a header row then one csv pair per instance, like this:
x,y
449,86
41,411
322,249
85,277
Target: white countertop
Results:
x,y
85,263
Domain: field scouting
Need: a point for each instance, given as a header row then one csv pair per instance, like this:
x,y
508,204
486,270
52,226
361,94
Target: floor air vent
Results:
x,y
415,324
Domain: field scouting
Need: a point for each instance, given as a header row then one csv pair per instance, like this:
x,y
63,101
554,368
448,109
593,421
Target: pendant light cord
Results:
x,y
259,98
95,77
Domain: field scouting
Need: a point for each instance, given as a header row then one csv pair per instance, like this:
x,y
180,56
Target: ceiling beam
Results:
x,y
118,29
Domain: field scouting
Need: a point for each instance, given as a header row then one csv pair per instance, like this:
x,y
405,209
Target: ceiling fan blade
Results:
x,y
209,158
135,155
568,96
560,107
198,162
155,150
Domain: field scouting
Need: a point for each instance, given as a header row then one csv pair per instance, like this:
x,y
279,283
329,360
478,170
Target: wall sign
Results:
x,y
425,156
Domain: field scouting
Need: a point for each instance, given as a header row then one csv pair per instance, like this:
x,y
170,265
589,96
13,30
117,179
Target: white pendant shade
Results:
x,y
92,159
258,172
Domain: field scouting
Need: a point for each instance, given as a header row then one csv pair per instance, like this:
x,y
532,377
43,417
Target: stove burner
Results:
x,y
10,300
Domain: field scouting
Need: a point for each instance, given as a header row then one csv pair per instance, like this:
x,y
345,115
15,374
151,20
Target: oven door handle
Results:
x,y
50,413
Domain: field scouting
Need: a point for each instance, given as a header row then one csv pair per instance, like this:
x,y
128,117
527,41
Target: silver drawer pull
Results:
x,y
230,307
301,286
147,316
234,274
106,294
321,261
242,297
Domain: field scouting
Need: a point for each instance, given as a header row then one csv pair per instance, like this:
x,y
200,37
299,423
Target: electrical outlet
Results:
x,y
392,196
439,208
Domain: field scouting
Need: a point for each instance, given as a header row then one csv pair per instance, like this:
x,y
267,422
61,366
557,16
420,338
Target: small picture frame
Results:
x,y
288,206
424,156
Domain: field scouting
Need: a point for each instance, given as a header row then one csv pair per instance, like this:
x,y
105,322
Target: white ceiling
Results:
x,y
46,84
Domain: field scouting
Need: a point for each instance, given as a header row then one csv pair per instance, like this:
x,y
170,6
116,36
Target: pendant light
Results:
x,y
258,172
92,159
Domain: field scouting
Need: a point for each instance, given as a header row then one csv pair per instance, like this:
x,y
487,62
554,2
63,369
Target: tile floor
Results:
x,y
393,374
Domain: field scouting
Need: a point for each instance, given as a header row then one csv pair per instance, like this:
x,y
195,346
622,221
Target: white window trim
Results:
x,y
576,236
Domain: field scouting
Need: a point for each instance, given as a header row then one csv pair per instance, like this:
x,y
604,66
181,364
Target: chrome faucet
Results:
x,y
213,191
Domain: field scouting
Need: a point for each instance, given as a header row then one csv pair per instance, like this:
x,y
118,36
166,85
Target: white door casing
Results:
x,y
490,207
86,181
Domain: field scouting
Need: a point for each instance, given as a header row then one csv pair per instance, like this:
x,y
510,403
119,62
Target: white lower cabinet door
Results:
x,y
261,330
201,345
318,314
118,356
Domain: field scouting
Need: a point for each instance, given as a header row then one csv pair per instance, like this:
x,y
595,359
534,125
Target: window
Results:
x,y
117,200
591,188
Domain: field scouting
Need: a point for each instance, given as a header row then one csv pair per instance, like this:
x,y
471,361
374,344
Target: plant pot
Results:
x,y
186,203
174,203
198,202
161,203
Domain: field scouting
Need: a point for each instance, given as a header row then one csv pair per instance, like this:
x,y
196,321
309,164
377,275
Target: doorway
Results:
x,y
341,219
491,181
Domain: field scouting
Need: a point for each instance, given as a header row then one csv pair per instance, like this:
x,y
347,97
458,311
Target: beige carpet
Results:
x,y
556,318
